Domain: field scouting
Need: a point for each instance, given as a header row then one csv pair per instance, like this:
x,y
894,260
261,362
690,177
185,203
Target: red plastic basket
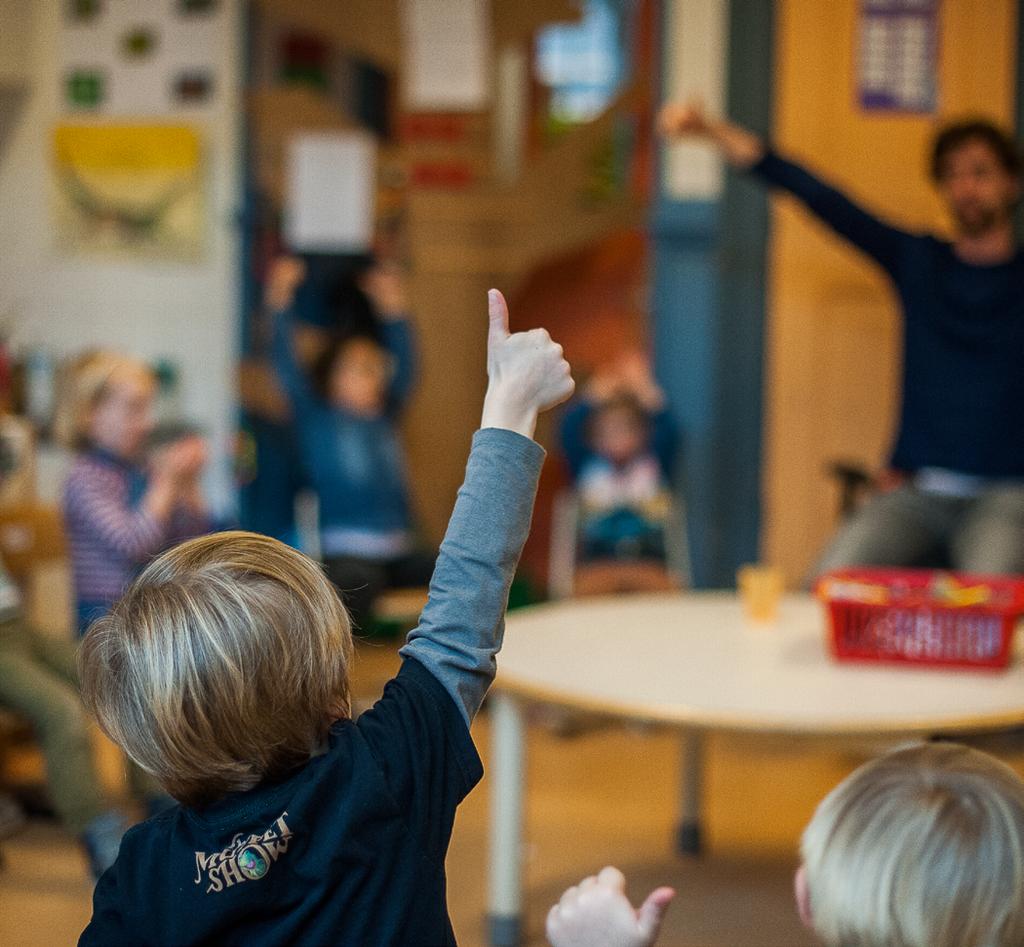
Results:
x,y
920,617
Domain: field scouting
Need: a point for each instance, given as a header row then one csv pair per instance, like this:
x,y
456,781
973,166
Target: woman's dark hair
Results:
x,y
955,136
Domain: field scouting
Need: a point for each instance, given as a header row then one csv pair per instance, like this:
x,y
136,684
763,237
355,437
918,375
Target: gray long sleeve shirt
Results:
x,y
462,626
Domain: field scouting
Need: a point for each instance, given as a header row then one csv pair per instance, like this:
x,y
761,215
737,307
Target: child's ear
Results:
x,y
802,893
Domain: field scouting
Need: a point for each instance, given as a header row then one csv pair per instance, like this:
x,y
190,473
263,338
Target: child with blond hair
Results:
x,y
122,503
922,847
224,672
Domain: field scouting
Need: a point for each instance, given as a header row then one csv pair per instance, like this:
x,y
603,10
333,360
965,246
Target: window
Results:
x,y
583,64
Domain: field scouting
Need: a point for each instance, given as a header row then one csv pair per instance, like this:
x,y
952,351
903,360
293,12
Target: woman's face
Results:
x,y
123,417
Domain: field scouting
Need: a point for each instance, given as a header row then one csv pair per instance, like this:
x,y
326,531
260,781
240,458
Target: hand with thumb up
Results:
x,y
527,373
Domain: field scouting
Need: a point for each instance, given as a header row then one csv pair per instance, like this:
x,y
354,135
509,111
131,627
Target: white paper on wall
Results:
x,y
331,185
447,52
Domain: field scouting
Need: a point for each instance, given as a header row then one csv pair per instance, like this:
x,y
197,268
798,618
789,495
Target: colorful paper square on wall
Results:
x,y
82,11
898,56
139,43
129,191
85,88
194,87
196,7
304,60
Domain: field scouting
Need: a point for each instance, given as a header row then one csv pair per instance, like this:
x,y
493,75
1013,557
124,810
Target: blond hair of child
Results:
x,y
923,847
86,382
223,665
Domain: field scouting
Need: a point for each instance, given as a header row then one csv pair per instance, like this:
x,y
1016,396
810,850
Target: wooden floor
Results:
x,y
604,797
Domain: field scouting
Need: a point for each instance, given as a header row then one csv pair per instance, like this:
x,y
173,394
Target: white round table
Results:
x,y
694,661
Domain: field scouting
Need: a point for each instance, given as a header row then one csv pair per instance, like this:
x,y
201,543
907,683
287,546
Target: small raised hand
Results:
x,y
286,275
597,913
688,118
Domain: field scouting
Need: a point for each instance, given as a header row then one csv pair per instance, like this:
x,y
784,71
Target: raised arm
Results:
x,y
290,372
664,440
400,341
748,152
386,287
573,434
285,276
461,628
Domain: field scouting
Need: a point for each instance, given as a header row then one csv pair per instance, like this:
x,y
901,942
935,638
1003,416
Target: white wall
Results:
x,y
186,312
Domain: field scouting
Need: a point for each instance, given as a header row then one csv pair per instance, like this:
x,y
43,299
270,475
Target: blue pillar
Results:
x,y
708,326
685,309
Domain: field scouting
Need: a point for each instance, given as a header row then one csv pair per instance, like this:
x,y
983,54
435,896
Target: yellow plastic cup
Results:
x,y
760,589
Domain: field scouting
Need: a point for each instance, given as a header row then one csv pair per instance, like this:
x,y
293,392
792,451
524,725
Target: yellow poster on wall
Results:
x,y
131,191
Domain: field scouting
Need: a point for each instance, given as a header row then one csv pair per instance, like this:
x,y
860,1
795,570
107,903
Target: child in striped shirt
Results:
x,y
121,507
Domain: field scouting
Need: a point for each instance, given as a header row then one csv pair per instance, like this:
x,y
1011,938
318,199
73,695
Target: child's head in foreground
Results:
x,y
923,847
223,665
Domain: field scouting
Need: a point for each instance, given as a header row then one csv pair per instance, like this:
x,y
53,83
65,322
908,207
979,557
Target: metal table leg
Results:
x,y
504,917
689,839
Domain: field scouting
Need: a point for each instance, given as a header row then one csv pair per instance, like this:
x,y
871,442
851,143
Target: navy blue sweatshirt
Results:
x,y
963,337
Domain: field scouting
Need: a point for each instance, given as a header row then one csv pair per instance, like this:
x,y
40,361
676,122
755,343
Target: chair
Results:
x,y
31,535
563,582
395,609
564,567
855,485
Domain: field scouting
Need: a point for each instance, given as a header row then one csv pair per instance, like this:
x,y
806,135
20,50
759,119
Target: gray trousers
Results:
x,y
909,527
38,680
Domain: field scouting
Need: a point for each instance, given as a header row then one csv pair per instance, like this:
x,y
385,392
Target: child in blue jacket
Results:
x,y
345,408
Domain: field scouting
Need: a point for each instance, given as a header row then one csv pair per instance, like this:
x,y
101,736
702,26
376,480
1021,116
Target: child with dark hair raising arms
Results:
x,y
224,671
620,442
346,410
